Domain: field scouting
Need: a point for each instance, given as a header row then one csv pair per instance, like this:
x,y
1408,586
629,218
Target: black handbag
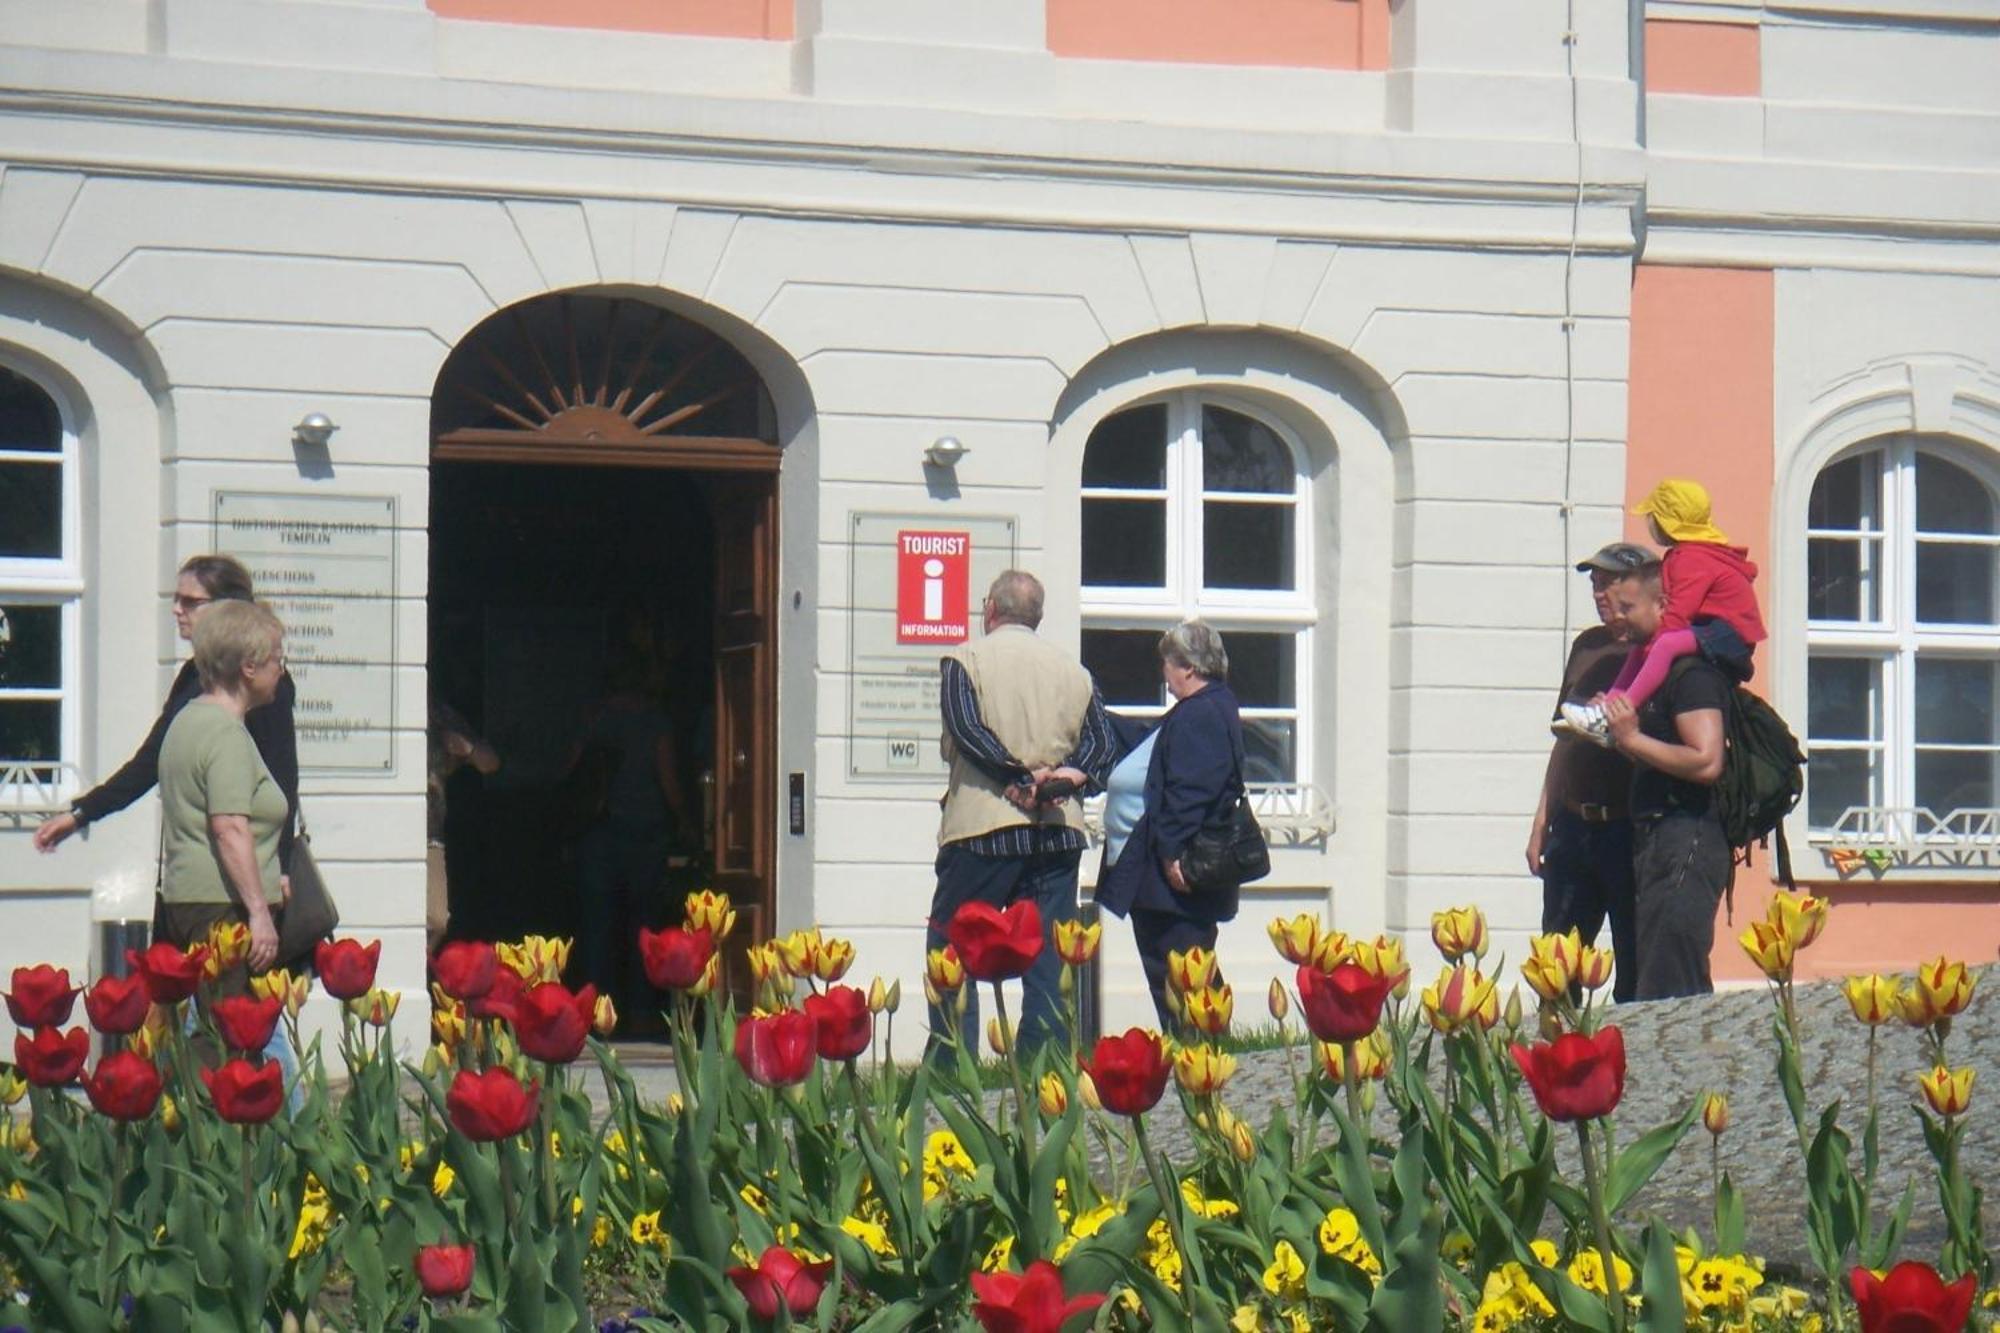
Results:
x,y
1230,852
310,914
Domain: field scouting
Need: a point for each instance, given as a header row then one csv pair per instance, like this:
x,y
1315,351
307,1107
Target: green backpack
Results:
x,y
1763,776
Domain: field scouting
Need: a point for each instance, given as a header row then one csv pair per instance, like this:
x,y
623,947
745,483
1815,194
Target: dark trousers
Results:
x,y
620,870
1681,865
1586,880
1158,934
187,924
1048,880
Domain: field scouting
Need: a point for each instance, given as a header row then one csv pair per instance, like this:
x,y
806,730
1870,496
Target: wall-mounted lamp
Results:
x,y
314,429
945,451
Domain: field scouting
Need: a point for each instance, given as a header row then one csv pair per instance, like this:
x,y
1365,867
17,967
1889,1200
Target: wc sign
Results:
x,y
933,586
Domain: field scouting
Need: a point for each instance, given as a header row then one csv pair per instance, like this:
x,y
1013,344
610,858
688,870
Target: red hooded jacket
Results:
x,y
1707,579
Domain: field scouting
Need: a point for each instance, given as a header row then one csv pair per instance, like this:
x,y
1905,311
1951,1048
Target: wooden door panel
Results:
x,y
744,830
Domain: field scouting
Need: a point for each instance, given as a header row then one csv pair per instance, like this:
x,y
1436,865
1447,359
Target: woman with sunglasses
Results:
x,y
204,580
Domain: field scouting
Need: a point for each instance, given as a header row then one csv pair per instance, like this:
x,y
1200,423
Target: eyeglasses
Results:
x,y
182,602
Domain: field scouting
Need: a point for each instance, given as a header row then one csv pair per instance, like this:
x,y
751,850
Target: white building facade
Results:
x,y
1352,348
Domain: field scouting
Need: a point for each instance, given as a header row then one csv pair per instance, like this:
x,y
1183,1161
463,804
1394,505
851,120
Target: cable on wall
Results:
x,y
1567,510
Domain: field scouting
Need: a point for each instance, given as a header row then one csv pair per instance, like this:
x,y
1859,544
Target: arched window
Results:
x,y
40,582
1193,505
1903,632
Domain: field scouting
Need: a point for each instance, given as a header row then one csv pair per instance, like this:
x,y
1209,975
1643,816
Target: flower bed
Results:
x,y
797,1180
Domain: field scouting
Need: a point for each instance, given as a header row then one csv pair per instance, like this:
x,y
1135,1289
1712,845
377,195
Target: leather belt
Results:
x,y
1592,812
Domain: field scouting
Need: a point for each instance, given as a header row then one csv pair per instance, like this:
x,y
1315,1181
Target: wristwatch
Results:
x,y
77,813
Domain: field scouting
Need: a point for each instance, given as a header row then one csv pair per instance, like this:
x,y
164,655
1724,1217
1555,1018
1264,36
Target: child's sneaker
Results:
x,y
1586,720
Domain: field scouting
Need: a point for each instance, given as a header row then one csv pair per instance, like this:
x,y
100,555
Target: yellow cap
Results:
x,y
1681,509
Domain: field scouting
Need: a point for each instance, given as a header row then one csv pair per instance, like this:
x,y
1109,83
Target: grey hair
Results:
x,y
1194,645
1016,598
231,635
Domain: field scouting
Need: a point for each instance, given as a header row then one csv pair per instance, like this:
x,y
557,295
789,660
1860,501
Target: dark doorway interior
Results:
x,y
554,589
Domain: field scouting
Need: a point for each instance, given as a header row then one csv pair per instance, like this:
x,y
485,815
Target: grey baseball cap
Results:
x,y
1618,558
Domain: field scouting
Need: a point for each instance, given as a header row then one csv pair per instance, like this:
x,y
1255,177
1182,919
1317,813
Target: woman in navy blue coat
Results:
x,y
1193,780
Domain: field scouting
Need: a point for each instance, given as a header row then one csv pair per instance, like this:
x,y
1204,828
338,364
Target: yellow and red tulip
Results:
x,y
1949,1091
1203,1070
1552,963
1458,931
1076,943
1383,957
1593,968
1941,989
1053,1095
1770,949
1209,1010
1190,971
1873,998
1295,938
943,971
1799,916
712,912
1459,996
1278,1000
1715,1112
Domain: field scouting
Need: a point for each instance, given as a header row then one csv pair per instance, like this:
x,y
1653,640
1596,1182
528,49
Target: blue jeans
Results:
x,y
1586,879
1048,879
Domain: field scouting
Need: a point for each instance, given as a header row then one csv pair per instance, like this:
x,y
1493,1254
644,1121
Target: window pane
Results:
x,y
1125,543
1950,499
30,647
1847,497
1949,780
1955,583
28,418
1843,579
1270,749
1128,451
29,729
31,509
1843,699
1837,779
1126,663
1240,453
1955,701
1263,668
1247,546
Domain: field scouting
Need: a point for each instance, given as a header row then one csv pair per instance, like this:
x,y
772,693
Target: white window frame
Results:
x,y
1894,640
59,582
1293,610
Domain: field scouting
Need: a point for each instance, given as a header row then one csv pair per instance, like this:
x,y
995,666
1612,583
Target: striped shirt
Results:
x,y
1096,751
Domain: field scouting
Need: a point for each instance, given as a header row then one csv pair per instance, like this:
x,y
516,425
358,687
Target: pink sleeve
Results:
x,y
1687,584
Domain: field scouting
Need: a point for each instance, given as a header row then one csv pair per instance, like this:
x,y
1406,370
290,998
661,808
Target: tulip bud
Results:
x,y
1066,984
1949,1091
878,996
170,1114
437,1059
675,1104
1715,1113
21,1138
604,1016
290,1324
12,1088
1086,1091
1054,1096
1593,968
1076,943
1550,1024
1513,1013
931,996
894,999
999,1036
377,1007
1278,1000
1242,1143
1367,1099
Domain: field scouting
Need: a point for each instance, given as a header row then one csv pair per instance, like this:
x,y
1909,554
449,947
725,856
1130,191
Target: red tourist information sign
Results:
x,y
933,586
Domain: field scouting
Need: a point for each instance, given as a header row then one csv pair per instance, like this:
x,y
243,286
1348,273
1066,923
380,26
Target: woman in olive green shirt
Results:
x,y
222,810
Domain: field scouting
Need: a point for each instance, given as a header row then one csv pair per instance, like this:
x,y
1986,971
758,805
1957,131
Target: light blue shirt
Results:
x,y
1125,797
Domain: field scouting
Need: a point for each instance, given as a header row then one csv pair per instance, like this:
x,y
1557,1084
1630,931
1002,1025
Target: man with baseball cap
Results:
x,y
1581,840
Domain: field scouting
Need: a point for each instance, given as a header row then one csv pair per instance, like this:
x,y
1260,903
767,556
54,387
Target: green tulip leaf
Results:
x,y
1661,1309
1638,1161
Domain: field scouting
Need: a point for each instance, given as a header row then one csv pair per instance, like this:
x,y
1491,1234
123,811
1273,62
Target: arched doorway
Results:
x,y
603,575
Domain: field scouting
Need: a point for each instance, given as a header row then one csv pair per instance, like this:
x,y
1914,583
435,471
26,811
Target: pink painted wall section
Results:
x,y
1322,34
1706,59
769,19
1700,406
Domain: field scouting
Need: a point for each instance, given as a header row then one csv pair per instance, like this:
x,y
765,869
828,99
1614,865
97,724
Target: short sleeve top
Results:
x,y
1693,685
209,765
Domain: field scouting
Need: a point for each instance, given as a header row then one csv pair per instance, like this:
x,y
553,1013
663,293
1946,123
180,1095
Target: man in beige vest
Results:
x,y
1018,712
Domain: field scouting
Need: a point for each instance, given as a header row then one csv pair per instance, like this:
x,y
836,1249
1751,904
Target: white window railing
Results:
x,y
33,788
1884,836
1292,814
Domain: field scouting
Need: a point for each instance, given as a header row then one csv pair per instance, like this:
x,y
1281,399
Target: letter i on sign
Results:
x,y
934,589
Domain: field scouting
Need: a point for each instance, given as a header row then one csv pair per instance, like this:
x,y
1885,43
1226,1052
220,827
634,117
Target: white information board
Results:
x,y
327,565
892,683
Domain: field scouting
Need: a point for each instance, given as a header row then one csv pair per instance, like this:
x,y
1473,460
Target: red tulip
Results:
x,y
1031,1302
124,1086
347,967
1343,1003
501,1001
246,1024
1575,1077
776,1049
551,1023
996,945
1130,1071
171,973
465,968
246,1094
491,1106
117,1005
444,1271
675,958
780,1279
1912,1299
42,996
842,1022
51,1057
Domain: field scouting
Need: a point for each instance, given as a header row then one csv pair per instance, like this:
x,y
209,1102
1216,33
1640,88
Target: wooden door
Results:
x,y
744,833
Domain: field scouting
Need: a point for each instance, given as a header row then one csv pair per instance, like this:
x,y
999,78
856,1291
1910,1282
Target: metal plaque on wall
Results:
x,y
915,583
327,565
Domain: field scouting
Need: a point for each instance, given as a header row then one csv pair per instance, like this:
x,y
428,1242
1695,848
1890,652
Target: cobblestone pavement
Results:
x,y
1676,1050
